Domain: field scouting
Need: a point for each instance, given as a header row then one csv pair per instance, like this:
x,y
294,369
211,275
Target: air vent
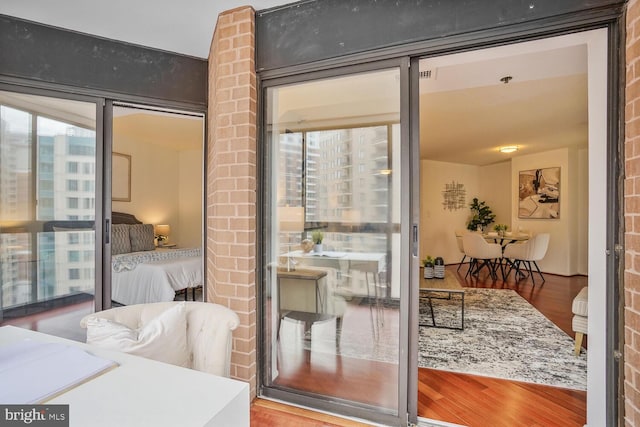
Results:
x,y
426,74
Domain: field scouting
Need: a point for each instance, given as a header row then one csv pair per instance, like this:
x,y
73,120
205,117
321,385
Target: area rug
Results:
x,y
504,337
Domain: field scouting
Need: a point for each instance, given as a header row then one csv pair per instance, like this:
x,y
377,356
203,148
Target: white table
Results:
x,y
142,392
345,262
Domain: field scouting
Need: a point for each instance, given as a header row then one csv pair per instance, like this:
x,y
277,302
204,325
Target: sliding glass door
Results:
x,y
333,251
48,187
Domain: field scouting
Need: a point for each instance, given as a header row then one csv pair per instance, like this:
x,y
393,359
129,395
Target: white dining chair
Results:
x,y
527,253
482,254
459,234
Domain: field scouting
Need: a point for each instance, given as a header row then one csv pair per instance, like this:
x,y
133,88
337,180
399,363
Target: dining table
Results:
x,y
505,239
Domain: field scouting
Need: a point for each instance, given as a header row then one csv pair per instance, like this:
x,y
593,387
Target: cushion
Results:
x,y
164,338
580,305
142,237
120,242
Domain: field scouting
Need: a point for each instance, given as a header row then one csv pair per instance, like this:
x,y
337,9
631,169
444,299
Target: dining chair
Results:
x,y
531,251
482,254
459,234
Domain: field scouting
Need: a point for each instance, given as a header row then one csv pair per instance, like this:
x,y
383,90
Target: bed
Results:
x,y
141,272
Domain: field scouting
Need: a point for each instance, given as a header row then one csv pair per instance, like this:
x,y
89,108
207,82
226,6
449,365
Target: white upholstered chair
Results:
x,y
209,330
482,254
459,234
525,254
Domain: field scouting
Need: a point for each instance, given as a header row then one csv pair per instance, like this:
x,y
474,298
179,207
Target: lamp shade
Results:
x,y
291,218
163,230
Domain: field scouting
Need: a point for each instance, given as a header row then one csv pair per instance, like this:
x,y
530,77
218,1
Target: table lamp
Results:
x,y
162,233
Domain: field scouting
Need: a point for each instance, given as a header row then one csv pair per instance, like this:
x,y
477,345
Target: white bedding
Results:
x,y
156,280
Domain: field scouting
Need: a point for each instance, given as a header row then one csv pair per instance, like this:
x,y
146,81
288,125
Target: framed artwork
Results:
x,y
120,177
539,194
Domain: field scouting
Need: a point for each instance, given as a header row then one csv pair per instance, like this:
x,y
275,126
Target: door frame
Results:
x,y
604,174
335,405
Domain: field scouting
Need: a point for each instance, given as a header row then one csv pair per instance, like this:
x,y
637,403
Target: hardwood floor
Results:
x,y
446,396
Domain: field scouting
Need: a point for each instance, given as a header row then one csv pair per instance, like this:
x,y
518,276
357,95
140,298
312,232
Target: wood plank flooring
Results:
x,y
456,398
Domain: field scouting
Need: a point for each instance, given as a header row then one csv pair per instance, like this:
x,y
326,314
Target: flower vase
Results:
x,y
317,248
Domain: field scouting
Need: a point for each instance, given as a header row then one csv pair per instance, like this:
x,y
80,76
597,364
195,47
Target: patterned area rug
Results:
x,y
504,337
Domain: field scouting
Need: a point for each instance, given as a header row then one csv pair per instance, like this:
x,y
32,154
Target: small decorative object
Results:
x,y
317,237
500,229
428,267
306,245
438,268
454,196
481,215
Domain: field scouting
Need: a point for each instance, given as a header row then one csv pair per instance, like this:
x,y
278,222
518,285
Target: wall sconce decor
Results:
x,y
454,196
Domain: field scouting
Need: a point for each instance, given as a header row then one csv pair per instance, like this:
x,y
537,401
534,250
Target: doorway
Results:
x,y
477,90
157,171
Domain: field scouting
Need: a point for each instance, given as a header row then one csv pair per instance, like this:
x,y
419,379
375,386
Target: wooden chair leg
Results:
x,y
578,346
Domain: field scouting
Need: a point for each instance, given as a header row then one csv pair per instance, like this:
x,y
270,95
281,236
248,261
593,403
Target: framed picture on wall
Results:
x,y
120,177
539,193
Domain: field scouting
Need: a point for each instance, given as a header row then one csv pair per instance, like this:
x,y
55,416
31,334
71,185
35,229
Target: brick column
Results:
x,y
231,182
632,219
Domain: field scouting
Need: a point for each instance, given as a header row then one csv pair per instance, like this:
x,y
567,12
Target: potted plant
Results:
x,y
500,229
481,215
427,263
317,237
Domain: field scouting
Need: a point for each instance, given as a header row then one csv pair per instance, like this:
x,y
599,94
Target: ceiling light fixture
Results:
x,y
509,149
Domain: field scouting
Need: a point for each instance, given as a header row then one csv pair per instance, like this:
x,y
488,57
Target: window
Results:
x,y
88,186
72,167
72,185
74,274
73,256
72,202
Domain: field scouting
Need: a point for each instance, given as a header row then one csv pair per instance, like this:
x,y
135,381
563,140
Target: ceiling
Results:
x,y
184,27
467,113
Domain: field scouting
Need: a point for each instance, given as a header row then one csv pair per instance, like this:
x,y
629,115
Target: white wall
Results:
x,y
166,188
190,199
437,224
495,190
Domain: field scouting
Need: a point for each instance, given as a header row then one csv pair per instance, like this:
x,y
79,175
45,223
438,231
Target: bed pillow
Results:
x,y
163,339
120,241
142,237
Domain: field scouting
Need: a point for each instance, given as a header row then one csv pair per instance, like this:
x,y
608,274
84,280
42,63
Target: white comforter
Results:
x,y
157,280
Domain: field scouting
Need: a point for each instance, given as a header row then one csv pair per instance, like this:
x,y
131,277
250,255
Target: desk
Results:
x,y
365,262
143,392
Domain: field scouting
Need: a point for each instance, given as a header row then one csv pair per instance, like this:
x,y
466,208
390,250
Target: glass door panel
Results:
x,y
47,212
332,252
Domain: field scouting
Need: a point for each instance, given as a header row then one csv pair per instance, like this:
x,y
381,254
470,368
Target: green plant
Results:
x,y
317,237
500,227
481,215
428,261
